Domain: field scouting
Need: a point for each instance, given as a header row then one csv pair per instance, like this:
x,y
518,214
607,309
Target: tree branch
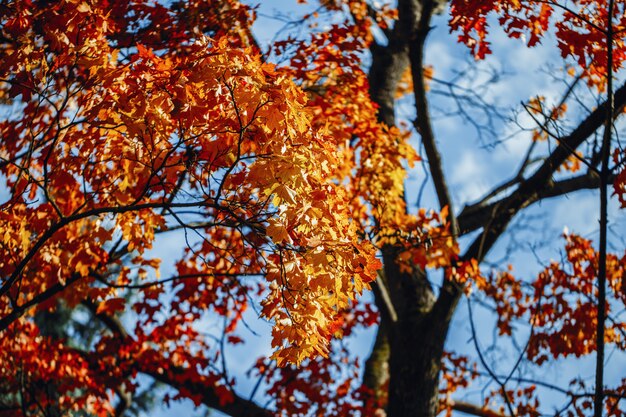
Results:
x,y
529,190
383,299
388,65
474,217
19,311
423,122
495,217
474,410
125,401
174,377
376,371
238,407
598,398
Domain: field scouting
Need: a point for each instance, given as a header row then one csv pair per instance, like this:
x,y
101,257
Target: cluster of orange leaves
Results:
x,y
126,132
558,310
122,128
559,304
581,29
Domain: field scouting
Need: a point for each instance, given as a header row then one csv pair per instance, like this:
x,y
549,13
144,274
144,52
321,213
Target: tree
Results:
x,y
282,168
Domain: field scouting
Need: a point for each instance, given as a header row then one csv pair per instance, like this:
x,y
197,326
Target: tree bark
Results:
x,y
415,363
376,372
408,349
416,343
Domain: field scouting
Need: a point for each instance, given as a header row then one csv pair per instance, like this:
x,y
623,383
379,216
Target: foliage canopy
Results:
x,y
281,170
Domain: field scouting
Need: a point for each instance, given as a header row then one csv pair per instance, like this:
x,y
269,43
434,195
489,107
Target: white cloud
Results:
x,y
579,212
468,176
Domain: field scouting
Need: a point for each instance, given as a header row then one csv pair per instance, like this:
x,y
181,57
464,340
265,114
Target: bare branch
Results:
x,y
474,410
528,191
238,407
598,398
423,122
176,377
475,216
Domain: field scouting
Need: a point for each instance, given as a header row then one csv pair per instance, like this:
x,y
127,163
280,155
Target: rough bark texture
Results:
x,y
416,343
414,367
376,372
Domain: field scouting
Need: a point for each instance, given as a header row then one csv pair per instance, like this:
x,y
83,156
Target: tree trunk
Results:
x,y
415,362
416,341
410,342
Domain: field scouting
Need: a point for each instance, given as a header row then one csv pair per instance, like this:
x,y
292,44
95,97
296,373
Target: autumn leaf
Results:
x,y
111,306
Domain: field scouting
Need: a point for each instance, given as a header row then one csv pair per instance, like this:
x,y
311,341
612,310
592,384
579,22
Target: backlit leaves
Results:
x,y
127,133
580,27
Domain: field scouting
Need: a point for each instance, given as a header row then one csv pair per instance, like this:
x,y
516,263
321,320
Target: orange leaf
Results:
x,y
112,305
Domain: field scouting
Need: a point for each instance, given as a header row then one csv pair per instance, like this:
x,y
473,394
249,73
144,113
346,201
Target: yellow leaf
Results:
x,y
278,232
286,194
